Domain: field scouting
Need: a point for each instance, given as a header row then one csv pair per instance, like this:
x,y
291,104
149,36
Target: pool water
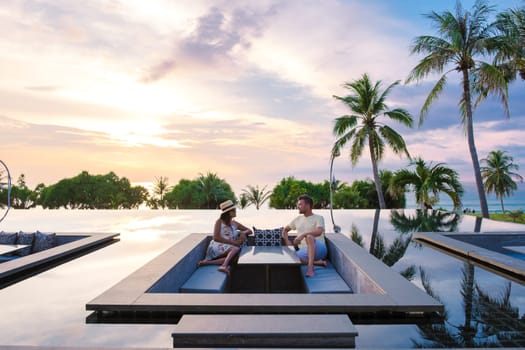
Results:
x,y
482,308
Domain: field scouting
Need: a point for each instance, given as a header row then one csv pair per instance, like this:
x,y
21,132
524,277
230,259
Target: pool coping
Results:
x,y
393,293
76,242
482,257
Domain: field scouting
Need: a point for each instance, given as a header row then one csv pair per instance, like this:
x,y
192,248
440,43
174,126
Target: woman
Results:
x,y
228,235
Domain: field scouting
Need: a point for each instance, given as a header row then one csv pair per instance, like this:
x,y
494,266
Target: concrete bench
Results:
x,y
294,331
326,280
205,279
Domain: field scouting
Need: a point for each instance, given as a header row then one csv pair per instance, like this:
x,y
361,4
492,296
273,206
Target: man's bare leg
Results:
x,y
310,243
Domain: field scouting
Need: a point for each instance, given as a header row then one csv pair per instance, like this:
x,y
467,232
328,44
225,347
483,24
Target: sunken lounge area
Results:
x,y
263,304
24,254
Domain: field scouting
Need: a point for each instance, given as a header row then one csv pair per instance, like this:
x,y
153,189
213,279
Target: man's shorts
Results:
x,y
320,251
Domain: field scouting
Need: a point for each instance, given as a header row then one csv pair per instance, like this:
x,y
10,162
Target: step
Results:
x,y
268,331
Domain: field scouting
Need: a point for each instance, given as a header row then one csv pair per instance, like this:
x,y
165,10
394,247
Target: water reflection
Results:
x,y
490,319
52,304
424,221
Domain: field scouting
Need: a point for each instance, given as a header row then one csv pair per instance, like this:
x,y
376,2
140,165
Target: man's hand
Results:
x,y
287,242
298,239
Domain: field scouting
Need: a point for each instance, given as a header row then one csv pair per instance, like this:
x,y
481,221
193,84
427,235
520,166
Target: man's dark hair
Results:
x,y
307,199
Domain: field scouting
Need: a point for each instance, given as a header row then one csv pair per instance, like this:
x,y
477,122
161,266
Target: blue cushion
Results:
x,y
326,280
7,238
44,241
26,239
206,279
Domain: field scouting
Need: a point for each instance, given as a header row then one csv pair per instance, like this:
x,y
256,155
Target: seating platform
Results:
x,y
265,331
325,280
206,279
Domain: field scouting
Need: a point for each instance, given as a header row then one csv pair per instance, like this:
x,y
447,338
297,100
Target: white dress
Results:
x,y
217,249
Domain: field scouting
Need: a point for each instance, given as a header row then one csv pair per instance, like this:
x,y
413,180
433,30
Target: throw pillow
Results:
x,y
7,238
26,239
44,241
267,237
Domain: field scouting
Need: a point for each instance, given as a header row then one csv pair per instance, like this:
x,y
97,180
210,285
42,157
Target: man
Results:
x,y
310,235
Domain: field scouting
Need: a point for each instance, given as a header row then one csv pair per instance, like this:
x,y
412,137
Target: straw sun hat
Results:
x,y
227,206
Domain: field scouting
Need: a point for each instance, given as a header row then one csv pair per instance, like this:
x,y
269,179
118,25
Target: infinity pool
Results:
x,y
482,308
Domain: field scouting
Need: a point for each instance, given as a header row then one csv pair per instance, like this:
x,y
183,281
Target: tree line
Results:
x,y
428,182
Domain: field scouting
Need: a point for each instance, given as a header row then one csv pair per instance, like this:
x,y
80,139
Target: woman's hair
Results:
x,y
226,218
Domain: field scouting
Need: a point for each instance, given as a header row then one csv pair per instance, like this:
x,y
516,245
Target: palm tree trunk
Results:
x,y
375,171
502,207
375,226
468,331
472,145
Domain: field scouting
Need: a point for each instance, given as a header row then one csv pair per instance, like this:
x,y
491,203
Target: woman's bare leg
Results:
x,y
217,261
231,253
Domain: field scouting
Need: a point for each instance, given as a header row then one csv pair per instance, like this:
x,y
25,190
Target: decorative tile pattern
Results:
x,y
268,237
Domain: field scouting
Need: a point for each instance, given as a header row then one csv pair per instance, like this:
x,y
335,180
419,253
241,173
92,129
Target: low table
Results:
x,y
10,248
268,255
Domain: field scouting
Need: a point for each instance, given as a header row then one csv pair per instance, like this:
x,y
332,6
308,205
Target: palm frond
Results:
x,y
400,115
394,140
434,94
491,80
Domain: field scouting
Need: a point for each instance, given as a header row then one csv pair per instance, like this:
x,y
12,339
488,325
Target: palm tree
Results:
x,y
510,42
160,189
256,196
498,175
462,38
428,181
367,103
213,189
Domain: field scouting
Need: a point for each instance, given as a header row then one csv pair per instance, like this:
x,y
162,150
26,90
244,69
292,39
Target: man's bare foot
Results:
x,y
322,263
224,269
310,273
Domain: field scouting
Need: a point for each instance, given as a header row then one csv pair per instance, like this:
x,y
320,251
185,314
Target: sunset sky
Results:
x,y
238,88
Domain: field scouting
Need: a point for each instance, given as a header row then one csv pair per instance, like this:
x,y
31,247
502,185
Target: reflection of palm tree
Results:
x,y
428,181
378,248
362,126
488,306
488,322
425,221
498,175
256,196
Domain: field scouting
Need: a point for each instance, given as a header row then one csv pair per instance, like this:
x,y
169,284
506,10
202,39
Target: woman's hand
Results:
x,y
242,237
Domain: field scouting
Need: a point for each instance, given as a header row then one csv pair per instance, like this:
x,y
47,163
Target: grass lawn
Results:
x,y
516,217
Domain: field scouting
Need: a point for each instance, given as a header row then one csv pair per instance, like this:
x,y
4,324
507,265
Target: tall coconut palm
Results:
x,y
510,43
463,38
428,181
498,175
367,104
256,196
